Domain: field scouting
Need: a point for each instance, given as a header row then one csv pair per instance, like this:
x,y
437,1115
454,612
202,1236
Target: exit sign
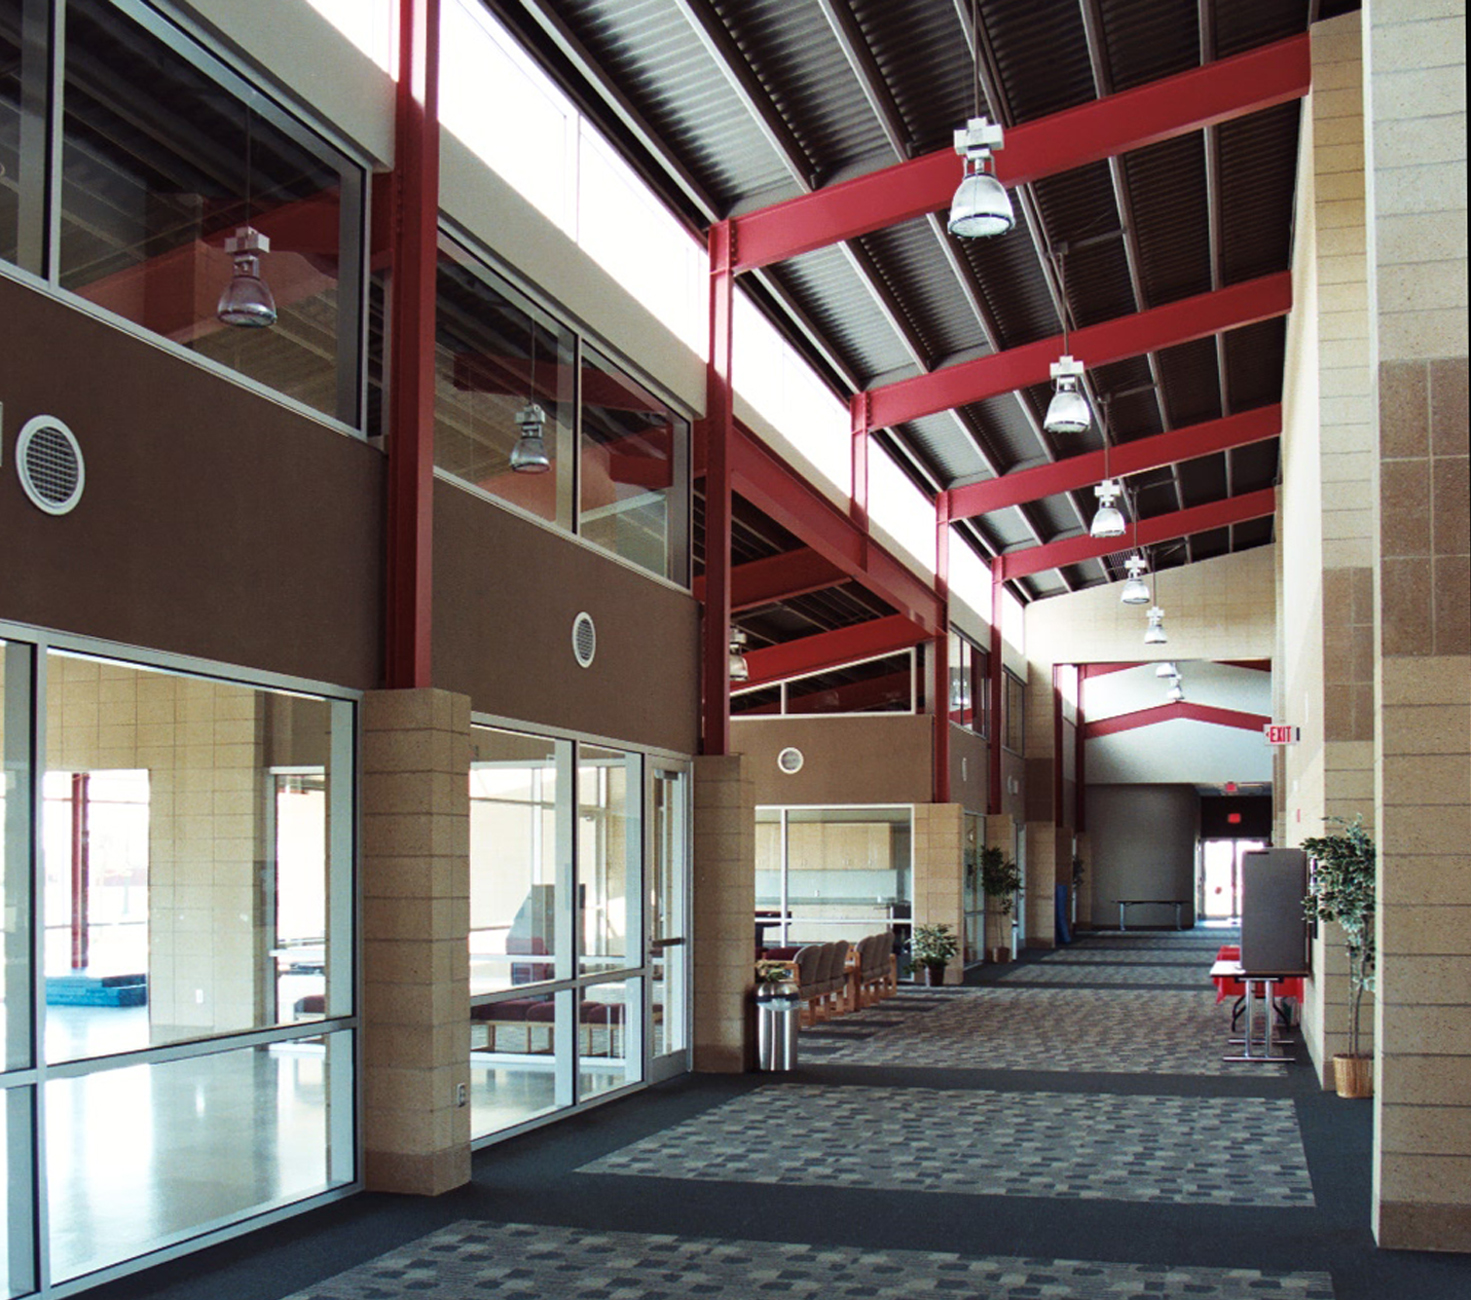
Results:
x,y
1280,733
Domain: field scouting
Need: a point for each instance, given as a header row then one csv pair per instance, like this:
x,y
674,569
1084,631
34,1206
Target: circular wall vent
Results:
x,y
790,760
584,639
50,466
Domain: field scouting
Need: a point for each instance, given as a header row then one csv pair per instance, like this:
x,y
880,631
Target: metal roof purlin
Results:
x,y
1127,336
1134,457
1152,531
1132,119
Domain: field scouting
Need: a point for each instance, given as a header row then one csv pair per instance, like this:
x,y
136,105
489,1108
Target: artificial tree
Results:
x,y
1000,879
1341,889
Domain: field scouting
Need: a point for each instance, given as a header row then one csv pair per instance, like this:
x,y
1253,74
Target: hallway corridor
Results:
x,y
1064,1127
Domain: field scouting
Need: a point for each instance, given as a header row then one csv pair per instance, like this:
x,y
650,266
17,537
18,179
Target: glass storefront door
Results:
x,y
669,1006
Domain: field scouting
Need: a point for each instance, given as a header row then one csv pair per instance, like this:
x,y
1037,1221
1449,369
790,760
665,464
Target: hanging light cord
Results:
x,y
1062,307
975,40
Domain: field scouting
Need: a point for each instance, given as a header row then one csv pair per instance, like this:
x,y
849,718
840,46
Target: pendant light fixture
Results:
x,y
247,301
1154,634
1166,669
1109,520
1136,590
740,670
981,206
1068,411
529,455
1176,693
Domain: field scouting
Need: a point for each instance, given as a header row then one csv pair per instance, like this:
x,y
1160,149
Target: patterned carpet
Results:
x,y
986,1143
1103,972
526,1262
1126,1031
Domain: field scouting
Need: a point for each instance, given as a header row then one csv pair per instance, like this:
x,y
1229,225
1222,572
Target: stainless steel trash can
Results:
x,y
778,1006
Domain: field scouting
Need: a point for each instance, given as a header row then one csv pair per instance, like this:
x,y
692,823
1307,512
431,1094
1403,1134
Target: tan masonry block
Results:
x,y
1424,881
401,792
1430,931
401,1089
1407,830
1411,1080
414,877
1426,981
410,1132
416,918
1423,1227
1427,1031
399,961
417,1046
1434,1179
408,710
408,751
1425,729
1442,679
414,1004
1419,780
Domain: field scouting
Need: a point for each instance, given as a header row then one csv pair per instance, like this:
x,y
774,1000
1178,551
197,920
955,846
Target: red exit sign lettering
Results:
x,y
1280,733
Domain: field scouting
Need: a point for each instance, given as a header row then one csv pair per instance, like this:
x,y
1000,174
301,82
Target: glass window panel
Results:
x,y
632,466
185,851
145,1155
513,858
764,699
17,1273
1014,718
15,857
848,871
879,686
161,164
495,356
23,96
669,953
605,1037
512,1062
608,851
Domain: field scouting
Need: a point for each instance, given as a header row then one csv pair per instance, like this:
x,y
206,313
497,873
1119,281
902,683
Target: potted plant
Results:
x,y
1000,879
931,949
1341,889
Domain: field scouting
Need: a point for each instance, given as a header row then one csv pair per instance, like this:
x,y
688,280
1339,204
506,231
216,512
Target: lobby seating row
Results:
x,y
838,977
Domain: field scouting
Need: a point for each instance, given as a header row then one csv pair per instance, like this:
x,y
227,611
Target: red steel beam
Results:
x,y
1135,457
719,432
775,489
1104,128
777,578
1173,323
409,605
1171,712
1161,528
812,654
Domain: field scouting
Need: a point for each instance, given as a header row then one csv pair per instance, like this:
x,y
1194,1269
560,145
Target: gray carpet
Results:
x,y
533,1262
1137,1148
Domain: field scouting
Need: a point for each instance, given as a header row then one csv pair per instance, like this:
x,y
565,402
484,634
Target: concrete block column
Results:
x,y
416,927
724,912
939,831
1415,90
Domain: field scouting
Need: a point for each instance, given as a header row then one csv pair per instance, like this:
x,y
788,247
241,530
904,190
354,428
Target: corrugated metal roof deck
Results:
x,y
757,100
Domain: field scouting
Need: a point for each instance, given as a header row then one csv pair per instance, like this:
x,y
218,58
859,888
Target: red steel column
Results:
x,y
719,430
941,644
1057,766
858,414
994,686
409,598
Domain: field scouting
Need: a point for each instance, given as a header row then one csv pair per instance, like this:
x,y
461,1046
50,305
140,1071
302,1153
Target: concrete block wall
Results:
x,y
1415,98
1325,680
